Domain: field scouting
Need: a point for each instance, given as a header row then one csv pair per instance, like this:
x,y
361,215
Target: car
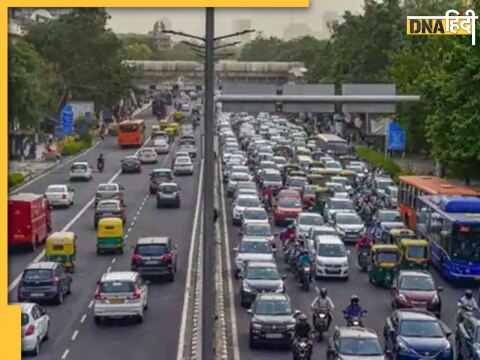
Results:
x,y
148,155
240,204
380,184
297,183
60,195
416,289
183,166
335,205
253,229
280,161
286,210
131,164
306,221
35,327
467,338
227,169
260,277
331,258
255,214
159,135
309,195
109,191
158,176
109,208
233,179
81,171
246,191
348,343
168,194
251,249
333,165
120,294
272,320
44,281
315,233
155,256
241,187
391,196
417,334
161,146
272,178
187,143
349,226
342,180
387,220
180,153
339,189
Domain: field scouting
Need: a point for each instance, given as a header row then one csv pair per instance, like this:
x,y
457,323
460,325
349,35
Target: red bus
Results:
x,y
411,187
131,133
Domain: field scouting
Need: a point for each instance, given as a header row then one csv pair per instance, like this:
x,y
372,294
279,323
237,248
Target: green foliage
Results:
x,y
15,179
378,160
138,52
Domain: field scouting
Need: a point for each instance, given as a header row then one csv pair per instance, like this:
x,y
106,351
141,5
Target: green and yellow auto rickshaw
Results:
x,y
322,195
61,247
398,234
414,254
296,173
327,173
290,168
316,179
350,175
110,235
384,264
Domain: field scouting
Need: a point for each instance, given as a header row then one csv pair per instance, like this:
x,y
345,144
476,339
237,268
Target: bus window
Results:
x,y
466,244
128,128
422,219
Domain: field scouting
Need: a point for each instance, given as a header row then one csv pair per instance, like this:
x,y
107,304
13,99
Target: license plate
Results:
x,y
116,301
37,294
273,336
151,262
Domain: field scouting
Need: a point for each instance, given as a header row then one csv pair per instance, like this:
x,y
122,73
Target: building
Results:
x,y
162,41
240,25
295,30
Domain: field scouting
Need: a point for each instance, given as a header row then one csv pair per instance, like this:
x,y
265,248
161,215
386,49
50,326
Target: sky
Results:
x,y
270,21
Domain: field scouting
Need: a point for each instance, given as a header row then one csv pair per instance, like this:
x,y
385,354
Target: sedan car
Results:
x,y
159,176
148,155
240,204
286,210
386,220
416,289
306,221
251,249
60,195
349,343
183,166
161,146
272,320
349,226
109,191
272,178
417,334
109,208
252,229
343,181
297,183
233,179
168,194
255,214
260,277
335,205
81,171
130,164
35,327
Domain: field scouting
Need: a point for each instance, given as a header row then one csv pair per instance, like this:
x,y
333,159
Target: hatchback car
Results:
x,y
240,204
120,294
159,176
386,220
183,166
286,210
253,229
381,184
349,226
349,343
161,146
148,155
168,194
81,171
306,221
109,191
44,280
35,327
297,183
259,277
131,164
109,208
335,205
60,195
252,249
243,185
233,179
155,256
331,258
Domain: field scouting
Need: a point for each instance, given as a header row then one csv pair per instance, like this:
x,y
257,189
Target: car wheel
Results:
x,y
47,336
69,291
152,192
140,319
159,205
171,277
251,343
98,320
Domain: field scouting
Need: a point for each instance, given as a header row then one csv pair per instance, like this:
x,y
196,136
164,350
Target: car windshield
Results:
x,y
37,274
273,307
107,206
255,214
311,220
333,165
421,329
341,181
309,190
297,182
183,160
360,347
160,142
77,167
116,287
258,230
25,319
417,283
272,177
289,204
148,152
151,249
240,169
56,189
348,219
384,184
331,250
107,188
390,216
280,161
239,177
255,247
168,189
247,202
262,273
161,174
341,205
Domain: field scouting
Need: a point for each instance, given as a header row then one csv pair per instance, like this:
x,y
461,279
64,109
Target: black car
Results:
x,y
272,320
467,338
131,164
259,277
45,280
155,256
168,194
109,208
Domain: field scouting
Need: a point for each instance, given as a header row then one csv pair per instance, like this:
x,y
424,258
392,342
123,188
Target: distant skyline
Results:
x,y
272,22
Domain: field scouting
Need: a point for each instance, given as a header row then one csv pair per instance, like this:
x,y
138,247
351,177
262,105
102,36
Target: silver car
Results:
x,y
232,181
252,249
353,343
349,226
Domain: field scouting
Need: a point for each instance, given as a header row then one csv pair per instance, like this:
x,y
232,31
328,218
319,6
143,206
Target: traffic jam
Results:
x,y
333,259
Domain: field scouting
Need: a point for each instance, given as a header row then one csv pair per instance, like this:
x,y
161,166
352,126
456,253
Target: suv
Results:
x,y
354,343
331,258
155,256
109,191
168,194
120,294
44,280
259,277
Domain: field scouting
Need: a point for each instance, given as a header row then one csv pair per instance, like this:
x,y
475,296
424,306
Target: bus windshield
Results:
x,y
466,243
339,147
125,128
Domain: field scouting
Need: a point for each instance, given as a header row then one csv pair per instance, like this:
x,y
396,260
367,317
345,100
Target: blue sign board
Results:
x,y
87,116
395,137
66,120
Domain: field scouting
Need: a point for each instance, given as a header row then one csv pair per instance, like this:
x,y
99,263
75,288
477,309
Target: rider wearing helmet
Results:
x,y
302,327
354,309
364,241
289,233
466,302
304,257
100,160
323,302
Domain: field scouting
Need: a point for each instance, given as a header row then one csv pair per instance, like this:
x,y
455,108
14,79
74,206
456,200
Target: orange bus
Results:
x,y
411,187
131,133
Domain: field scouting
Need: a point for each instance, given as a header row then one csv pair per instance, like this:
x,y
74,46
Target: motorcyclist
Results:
x,y
354,310
323,302
288,234
302,328
100,161
364,242
267,194
467,301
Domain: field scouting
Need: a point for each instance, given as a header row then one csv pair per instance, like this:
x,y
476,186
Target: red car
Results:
x,y
308,195
286,210
288,193
416,289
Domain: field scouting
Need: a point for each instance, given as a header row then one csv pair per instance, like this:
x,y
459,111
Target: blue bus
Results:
x,y
451,224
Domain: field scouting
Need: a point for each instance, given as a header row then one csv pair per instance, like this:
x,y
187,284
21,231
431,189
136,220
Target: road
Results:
x,y
376,300
73,333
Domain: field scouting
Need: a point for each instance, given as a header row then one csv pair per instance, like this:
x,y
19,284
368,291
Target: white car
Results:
x,y
252,249
81,171
60,195
161,146
246,191
349,226
331,259
343,181
233,179
148,155
255,214
120,294
240,204
306,221
35,327
261,230
335,205
183,166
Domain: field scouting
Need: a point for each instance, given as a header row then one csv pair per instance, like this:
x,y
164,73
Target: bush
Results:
x,y
377,159
15,179
73,148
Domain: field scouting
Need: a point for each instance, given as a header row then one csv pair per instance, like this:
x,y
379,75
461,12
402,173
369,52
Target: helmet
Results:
x,y
354,300
469,294
302,318
305,252
101,155
323,292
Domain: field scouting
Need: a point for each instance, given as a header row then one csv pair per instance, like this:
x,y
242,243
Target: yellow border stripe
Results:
x,y
165,3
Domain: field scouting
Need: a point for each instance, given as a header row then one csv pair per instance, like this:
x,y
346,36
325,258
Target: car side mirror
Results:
x,y
235,249
440,289
297,312
250,311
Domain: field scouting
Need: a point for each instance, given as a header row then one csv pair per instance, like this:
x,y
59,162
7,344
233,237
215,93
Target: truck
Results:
x,y
29,220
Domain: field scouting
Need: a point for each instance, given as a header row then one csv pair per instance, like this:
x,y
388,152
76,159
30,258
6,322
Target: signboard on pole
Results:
x,y
309,89
395,137
239,88
67,117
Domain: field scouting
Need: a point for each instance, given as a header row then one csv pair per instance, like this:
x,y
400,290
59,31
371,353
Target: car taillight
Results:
x,y
137,294
97,294
136,258
56,281
167,258
30,330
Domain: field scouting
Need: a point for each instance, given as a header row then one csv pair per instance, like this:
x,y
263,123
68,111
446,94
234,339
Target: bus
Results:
x,y
131,133
332,144
451,224
411,187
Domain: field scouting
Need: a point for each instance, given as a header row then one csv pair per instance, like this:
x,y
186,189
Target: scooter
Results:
x,y
355,320
363,254
100,166
320,320
305,277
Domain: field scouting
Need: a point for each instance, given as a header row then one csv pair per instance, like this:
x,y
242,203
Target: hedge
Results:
x,y
15,179
377,159
71,146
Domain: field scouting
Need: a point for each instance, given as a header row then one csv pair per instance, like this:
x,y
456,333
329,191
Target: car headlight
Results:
x,y
290,326
363,230
320,263
246,287
402,346
340,231
435,299
345,265
256,326
402,297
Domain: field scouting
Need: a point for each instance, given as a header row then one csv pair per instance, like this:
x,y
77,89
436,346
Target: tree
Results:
x,y
138,52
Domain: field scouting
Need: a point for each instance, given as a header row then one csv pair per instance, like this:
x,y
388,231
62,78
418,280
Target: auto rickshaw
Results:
x,y
163,124
175,127
316,179
322,195
400,233
61,247
345,159
414,254
110,235
383,264
350,175
291,167
297,173
178,116
170,132
326,173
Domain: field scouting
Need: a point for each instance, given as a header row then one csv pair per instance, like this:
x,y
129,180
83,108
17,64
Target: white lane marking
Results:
x,y
109,269
15,282
65,354
90,305
75,334
231,296
126,237
113,260
183,324
82,320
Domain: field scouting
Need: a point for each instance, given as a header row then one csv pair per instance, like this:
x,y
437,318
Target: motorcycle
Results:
x,y
100,166
305,277
355,320
302,349
363,254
